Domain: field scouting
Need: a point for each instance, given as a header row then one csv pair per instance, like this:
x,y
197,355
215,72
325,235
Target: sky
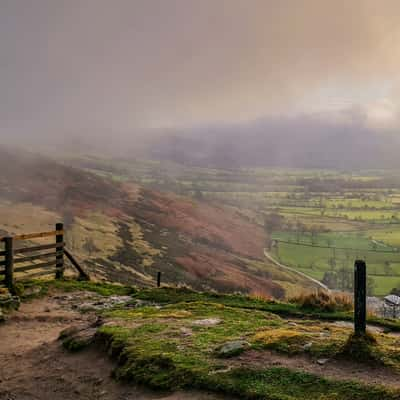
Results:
x,y
89,68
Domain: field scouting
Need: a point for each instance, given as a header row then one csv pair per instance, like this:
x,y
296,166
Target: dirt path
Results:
x,y
278,264
334,369
34,365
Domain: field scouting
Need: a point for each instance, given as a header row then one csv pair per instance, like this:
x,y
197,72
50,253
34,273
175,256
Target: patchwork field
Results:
x,y
320,221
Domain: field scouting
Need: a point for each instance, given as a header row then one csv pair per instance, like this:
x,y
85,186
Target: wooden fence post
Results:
x,y
9,263
158,279
60,252
360,297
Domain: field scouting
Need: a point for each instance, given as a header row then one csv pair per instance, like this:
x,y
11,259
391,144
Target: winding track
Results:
x,y
278,264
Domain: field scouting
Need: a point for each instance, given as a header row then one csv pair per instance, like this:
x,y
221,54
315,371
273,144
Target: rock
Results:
x,y
140,303
325,334
72,330
233,348
291,323
307,346
186,331
78,336
84,307
9,302
32,290
102,303
120,299
207,322
322,361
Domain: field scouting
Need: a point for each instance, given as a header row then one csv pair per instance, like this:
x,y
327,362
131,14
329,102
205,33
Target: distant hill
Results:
x,y
295,142
127,233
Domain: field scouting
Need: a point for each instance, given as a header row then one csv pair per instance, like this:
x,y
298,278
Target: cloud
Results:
x,y
383,114
86,66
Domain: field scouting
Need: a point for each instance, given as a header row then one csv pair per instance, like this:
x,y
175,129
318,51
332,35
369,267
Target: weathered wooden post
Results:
x,y
9,263
360,297
158,279
60,251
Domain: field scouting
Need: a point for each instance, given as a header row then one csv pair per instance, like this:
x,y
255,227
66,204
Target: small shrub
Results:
x,y
324,301
260,296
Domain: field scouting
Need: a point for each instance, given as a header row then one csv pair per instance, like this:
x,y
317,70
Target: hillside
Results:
x,y
124,232
296,142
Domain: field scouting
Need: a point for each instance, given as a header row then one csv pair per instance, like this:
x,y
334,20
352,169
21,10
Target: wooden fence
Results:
x,y
15,258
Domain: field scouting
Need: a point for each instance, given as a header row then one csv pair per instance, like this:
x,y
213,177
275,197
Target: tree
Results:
x,y
313,236
387,268
273,222
330,279
198,194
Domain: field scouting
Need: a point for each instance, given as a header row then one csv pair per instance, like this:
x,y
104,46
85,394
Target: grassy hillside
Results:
x,y
124,232
356,211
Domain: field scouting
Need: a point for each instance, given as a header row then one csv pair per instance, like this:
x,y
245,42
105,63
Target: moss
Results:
x,y
178,295
74,345
283,340
69,285
162,365
19,289
168,350
285,384
362,348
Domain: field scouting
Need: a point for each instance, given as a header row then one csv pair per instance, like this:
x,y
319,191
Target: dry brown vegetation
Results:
x,y
324,301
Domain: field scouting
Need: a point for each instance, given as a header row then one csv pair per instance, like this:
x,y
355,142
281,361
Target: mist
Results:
x,y
124,76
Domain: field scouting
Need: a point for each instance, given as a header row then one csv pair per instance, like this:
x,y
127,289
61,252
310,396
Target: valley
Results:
x,y
126,232
317,221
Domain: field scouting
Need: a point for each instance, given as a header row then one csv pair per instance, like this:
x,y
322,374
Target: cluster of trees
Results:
x,y
340,185
343,278
274,222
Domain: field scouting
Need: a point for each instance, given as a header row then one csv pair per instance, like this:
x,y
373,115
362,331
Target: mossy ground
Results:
x,y
160,352
70,285
170,342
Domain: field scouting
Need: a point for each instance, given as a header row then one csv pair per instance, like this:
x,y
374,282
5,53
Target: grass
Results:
x,y
173,295
323,301
383,268
158,351
162,345
168,296
285,384
69,285
363,348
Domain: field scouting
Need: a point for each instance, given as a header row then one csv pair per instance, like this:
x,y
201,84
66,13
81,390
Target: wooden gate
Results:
x,y
35,261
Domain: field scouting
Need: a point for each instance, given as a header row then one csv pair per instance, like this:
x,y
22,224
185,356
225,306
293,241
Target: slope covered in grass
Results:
x,y
123,232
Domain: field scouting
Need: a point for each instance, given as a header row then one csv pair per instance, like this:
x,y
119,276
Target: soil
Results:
x,y
333,369
35,366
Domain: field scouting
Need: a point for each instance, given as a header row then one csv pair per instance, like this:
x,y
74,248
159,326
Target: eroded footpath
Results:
x,y
35,366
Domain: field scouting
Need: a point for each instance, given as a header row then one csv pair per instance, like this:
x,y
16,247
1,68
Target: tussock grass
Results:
x,y
324,301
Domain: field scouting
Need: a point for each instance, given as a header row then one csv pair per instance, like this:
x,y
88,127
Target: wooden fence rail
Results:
x,y
52,261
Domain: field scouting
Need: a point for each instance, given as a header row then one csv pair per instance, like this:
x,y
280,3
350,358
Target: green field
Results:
x,y
336,252
358,211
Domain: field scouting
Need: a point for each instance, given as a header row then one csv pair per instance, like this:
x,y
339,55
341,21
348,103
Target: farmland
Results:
x,y
317,221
